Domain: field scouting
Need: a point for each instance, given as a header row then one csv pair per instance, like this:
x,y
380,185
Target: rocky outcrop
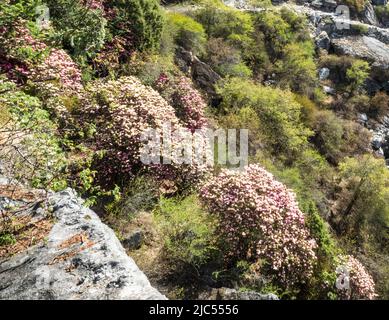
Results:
x,y
364,47
369,16
201,73
81,258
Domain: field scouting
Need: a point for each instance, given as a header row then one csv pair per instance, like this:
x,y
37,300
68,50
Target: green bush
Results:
x,y
10,11
188,231
358,73
322,283
338,66
139,22
297,68
278,33
225,59
30,148
279,115
382,13
363,202
224,22
187,32
79,29
379,105
141,194
336,138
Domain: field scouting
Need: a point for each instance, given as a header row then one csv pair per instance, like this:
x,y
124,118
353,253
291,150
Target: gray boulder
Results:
x,y
133,240
323,41
201,73
81,259
369,16
364,47
324,73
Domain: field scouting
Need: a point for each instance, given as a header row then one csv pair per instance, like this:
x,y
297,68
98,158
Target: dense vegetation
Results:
x,y
76,96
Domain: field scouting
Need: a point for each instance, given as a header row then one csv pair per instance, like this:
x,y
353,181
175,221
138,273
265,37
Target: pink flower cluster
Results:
x,y
361,283
55,67
58,66
185,99
259,220
122,111
94,4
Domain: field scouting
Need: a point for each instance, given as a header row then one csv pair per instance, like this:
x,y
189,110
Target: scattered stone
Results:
x,y
330,5
362,117
329,90
232,294
134,240
317,4
324,73
323,41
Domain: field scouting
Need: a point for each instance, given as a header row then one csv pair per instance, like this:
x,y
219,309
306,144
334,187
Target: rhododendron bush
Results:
x,y
50,71
185,99
259,219
123,110
360,283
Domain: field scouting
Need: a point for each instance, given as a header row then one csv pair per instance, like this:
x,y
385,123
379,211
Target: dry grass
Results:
x,y
25,232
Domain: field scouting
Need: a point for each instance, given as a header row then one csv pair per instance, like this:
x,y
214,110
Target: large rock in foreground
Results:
x,y
80,259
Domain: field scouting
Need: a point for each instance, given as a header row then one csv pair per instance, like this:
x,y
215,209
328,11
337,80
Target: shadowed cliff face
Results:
x,y
79,258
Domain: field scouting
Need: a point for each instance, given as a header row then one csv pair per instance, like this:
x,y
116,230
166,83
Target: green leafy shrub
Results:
x,y
141,194
138,22
187,32
363,201
224,22
338,66
297,69
279,115
379,105
30,148
188,231
382,13
336,138
358,73
79,28
322,283
11,11
225,59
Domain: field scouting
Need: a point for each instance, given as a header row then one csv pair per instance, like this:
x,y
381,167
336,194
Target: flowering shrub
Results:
x,y
50,71
29,147
122,111
361,283
43,64
259,219
185,99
